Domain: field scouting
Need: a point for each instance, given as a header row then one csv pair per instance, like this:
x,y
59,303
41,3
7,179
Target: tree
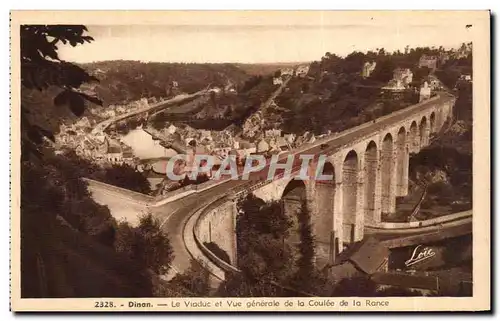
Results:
x,y
383,71
263,256
421,73
57,214
355,286
307,278
146,244
41,69
306,247
196,280
125,176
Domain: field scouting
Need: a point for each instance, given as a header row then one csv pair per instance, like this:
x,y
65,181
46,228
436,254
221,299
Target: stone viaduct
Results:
x,y
370,171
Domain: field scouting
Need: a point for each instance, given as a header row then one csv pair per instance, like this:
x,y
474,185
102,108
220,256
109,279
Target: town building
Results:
x,y
277,81
464,51
311,139
290,138
443,58
466,77
205,134
368,68
190,141
428,61
434,83
262,146
282,143
393,90
287,72
394,85
403,75
83,123
302,70
114,155
128,156
272,133
425,92
170,129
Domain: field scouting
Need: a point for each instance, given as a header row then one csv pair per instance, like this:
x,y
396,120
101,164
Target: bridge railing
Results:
x,y
425,223
195,243
351,130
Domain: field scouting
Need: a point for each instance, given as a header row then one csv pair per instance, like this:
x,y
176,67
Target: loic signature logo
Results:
x,y
420,254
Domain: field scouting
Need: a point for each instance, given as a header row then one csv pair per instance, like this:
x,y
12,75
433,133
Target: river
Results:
x,y
144,146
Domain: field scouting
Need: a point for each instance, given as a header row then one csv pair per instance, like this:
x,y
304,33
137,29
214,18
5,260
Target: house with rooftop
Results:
x,y
425,92
277,81
287,72
114,155
428,61
302,71
368,68
404,75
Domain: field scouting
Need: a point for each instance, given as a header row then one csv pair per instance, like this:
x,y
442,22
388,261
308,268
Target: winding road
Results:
x,y
102,126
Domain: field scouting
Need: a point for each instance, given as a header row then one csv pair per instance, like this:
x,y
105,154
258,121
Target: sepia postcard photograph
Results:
x,y
250,161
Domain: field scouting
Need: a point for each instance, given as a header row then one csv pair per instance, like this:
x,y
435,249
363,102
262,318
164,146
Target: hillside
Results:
x,y
124,81
266,68
334,95
226,107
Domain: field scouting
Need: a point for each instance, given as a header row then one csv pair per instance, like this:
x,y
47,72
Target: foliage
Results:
x,y
195,280
240,285
146,244
420,74
451,154
356,286
384,70
56,189
305,263
67,239
250,83
335,97
41,69
262,253
71,235
125,176
123,81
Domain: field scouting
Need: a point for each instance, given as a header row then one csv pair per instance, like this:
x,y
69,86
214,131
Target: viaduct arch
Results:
x,y
369,171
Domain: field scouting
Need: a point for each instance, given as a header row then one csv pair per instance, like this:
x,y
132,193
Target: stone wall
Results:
x,y
218,225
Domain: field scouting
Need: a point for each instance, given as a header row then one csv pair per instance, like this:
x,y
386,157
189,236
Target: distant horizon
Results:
x,y
447,48
259,44
200,63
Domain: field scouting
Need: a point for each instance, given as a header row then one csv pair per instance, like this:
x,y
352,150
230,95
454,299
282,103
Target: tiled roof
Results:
x,y
370,255
114,150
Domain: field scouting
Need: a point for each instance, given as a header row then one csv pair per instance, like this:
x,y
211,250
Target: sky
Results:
x,y
258,42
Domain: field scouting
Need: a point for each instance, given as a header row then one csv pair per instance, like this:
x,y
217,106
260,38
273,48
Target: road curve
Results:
x,y
173,217
100,127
